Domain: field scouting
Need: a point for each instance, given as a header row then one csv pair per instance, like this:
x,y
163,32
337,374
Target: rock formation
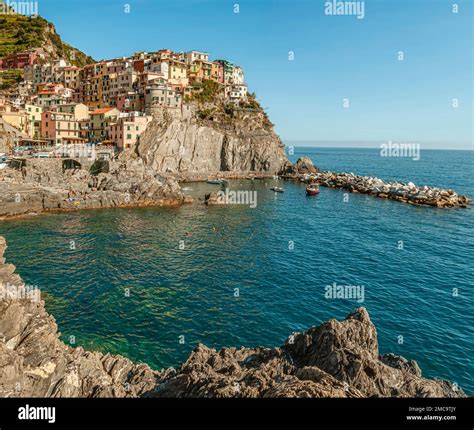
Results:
x,y
44,185
177,141
336,359
303,166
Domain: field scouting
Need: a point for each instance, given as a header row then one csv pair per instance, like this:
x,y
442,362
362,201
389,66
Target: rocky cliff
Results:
x,y
209,139
336,359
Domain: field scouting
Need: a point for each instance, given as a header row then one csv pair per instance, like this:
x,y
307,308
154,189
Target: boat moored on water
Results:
x,y
277,189
312,189
217,181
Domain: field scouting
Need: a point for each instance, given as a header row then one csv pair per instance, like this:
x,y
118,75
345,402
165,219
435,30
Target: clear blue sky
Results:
x,y
336,57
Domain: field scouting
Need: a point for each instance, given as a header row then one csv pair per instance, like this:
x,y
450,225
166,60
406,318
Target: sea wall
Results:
x,y
335,359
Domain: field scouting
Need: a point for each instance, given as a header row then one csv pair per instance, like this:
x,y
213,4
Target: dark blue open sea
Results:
x,y
410,293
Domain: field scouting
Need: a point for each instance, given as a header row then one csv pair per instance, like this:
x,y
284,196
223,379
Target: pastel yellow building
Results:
x,y
16,117
177,73
34,116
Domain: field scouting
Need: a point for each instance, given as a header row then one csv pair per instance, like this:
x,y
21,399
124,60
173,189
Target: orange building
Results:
x,y
60,128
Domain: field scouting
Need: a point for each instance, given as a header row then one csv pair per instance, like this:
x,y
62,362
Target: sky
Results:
x,y
302,63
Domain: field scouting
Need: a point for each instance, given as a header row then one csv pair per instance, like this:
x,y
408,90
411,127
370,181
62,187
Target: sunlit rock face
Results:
x,y
180,142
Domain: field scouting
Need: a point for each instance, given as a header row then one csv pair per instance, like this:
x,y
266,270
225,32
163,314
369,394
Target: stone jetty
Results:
x,y
334,359
395,190
304,171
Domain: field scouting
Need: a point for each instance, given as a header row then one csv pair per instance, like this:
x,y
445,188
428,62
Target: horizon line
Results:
x,y
375,144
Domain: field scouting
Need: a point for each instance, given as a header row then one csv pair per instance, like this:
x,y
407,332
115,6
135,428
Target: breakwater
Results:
x,y
304,171
394,190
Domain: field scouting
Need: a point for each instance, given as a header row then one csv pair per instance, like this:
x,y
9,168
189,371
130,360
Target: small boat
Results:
x,y
277,189
312,190
217,181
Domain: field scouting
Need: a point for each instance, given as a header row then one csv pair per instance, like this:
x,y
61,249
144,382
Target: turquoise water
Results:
x,y
191,292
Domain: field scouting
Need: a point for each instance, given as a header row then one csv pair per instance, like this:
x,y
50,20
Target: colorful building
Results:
x,y
177,72
60,128
16,117
192,56
228,71
79,110
199,70
126,131
217,72
20,60
99,121
34,114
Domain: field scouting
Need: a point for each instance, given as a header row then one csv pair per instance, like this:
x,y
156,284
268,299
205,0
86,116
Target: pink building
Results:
x,y
19,60
127,130
60,128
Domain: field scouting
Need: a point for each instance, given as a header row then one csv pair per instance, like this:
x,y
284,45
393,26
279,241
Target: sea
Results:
x,y
153,283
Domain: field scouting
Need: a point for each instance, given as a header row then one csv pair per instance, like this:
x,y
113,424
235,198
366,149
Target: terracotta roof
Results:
x,y
100,111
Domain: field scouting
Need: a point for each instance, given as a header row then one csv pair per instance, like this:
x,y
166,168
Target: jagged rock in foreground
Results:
x,y
178,141
336,359
43,185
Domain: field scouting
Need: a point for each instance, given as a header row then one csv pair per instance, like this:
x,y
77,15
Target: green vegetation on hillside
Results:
x,y
9,78
19,33
208,91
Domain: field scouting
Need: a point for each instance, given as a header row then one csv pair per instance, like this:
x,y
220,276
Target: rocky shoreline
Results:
x,y
305,171
45,186
335,359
